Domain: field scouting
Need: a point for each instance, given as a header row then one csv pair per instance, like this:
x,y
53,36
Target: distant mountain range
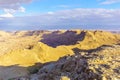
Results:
x,y
58,27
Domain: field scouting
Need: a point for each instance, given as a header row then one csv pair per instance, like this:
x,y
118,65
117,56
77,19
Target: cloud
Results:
x,y
110,1
12,6
66,19
6,15
10,12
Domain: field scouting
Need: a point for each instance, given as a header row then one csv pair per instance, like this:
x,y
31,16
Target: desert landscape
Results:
x,y
59,39
60,55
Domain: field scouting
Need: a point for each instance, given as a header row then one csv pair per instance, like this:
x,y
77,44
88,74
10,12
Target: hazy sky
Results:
x,y
59,14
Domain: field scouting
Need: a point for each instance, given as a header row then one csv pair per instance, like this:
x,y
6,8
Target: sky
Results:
x,y
59,14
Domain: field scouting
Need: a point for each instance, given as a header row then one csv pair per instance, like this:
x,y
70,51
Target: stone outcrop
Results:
x,y
100,64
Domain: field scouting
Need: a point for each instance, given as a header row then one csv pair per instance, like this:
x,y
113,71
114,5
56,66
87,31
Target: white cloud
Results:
x,y
110,1
21,9
61,19
50,12
12,6
11,12
6,15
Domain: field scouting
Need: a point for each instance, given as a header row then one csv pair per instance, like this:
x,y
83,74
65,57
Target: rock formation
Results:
x,y
21,50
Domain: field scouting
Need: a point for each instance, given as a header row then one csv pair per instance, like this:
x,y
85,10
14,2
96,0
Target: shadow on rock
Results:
x,y
73,67
77,50
8,72
67,38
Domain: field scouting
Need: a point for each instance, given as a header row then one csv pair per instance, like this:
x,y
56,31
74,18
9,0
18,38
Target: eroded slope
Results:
x,y
25,48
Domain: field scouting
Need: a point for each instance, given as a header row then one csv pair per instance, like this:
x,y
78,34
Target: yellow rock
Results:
x,y
15,49
64,78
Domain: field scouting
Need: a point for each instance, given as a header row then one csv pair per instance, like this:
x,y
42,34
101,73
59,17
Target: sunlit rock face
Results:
x,y
86,65
21,50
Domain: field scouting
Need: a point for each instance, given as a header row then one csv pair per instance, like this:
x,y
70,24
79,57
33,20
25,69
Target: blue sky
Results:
x,y
43,6
59,14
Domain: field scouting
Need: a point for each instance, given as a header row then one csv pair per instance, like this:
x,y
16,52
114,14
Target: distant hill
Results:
x,y
42,46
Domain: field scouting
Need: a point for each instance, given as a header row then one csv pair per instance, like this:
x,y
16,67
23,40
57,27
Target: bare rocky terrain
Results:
x,y
101,64
59,55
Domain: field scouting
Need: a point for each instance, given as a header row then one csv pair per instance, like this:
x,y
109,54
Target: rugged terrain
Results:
x,y
59,55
